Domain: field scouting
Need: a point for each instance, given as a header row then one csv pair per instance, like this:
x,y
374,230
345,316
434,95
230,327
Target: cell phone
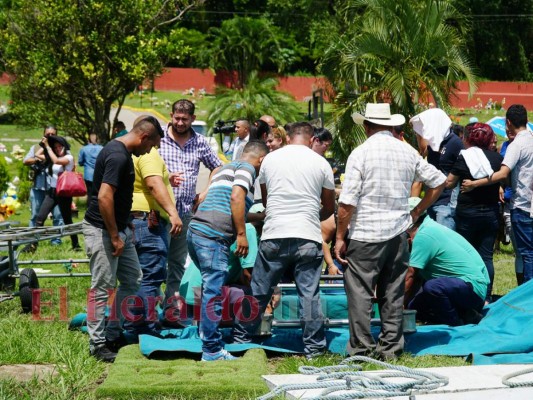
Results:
x,y
195,203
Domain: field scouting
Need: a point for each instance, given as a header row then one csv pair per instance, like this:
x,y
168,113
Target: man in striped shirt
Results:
x,y
182,150
219,221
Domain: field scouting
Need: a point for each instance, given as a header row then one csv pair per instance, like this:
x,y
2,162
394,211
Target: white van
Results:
x,y
201,128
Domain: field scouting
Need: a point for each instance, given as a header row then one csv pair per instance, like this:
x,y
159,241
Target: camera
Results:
x,y
224,127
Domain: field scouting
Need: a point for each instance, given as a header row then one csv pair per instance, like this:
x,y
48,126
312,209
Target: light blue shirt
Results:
x,y
87,159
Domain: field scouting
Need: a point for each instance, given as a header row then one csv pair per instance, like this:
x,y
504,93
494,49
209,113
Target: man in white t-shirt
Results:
x,y
298,192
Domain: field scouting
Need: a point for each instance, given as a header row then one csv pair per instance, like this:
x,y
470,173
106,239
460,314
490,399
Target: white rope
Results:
x,y
506,379
356,384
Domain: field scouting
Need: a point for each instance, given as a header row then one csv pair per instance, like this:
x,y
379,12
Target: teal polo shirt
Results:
x,y
440,252
192,278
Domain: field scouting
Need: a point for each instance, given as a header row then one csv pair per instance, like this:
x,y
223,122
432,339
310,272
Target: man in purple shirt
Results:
x,y
183,150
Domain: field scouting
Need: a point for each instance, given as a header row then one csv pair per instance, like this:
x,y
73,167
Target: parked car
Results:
x,y
201,128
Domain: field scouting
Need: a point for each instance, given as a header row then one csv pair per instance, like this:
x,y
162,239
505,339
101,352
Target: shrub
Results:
x,y
4,175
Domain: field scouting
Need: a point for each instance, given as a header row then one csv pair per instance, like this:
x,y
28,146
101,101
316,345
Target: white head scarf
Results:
x,y
432,125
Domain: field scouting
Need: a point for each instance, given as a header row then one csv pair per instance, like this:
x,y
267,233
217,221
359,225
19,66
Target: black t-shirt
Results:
x,y
113,166
444,160
483,195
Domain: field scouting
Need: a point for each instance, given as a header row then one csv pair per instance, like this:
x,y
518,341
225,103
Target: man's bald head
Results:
x,y
269,120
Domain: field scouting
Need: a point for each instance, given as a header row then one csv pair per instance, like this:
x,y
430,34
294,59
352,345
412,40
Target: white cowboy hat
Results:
x,y
379,114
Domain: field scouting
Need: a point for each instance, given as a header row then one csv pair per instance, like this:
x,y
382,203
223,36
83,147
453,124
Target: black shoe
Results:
x,y
102,353
166,324
117,344
159,335
77,248
387,357
472,316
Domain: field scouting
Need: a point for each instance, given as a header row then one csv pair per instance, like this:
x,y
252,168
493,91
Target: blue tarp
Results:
x,y
498,125
502,337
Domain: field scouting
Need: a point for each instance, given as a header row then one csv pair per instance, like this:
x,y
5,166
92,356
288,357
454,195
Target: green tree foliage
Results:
x,y
302,27
5,177
401,52
244,44
502,38
73,59
258,97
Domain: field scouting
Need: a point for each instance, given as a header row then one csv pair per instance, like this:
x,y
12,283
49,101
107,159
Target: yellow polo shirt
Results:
x,y
150,164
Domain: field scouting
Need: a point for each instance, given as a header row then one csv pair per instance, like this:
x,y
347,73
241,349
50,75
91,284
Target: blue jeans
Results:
x,y
444,300
443,214
36,199
523,232
304,258
211,257
152,249
479,225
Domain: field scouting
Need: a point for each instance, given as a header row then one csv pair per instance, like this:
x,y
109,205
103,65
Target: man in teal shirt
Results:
x,y
452,278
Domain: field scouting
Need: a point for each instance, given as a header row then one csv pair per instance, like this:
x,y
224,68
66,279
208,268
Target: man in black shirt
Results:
x,y
437,140
108,238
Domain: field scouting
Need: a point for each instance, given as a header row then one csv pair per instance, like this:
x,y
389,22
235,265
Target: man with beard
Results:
x,y
183,150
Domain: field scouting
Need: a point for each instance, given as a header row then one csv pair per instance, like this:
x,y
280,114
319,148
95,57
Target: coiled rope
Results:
x,y
506,380
356,384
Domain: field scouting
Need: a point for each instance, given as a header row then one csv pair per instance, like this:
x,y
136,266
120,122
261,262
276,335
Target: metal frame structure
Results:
x,y
12,239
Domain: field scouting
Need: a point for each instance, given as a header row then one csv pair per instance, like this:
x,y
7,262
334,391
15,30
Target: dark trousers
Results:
x,y
381,266
304,258
89,185
48,204
479,225
444,300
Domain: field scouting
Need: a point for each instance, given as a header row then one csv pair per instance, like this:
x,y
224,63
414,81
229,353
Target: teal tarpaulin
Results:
x,y
502,337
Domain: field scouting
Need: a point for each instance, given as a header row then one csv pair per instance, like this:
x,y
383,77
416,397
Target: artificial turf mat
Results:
x,y
134,376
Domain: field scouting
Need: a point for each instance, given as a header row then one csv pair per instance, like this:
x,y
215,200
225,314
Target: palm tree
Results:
x,y
244,44
404,52
258,97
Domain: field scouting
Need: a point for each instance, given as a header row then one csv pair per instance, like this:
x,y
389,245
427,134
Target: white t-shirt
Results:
x,y
294,176
58,169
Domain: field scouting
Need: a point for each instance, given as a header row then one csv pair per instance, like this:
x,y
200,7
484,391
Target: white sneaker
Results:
x,y
219,355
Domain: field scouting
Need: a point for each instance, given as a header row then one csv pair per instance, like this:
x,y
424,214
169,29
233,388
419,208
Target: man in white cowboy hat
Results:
x,y
374,204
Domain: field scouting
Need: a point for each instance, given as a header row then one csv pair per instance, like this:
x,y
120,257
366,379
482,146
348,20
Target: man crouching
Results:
x,y
220,220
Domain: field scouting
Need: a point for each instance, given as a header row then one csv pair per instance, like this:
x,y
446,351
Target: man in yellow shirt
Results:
x,y
154,217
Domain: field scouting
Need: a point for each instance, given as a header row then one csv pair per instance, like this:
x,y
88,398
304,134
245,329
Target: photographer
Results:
x,y
242,133
56,153
38,190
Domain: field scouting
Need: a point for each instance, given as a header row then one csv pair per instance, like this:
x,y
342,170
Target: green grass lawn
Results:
x,y
24,340
27,341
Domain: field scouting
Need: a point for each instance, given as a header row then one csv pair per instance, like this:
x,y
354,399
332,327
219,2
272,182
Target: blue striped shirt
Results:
x,y
187,160
213,218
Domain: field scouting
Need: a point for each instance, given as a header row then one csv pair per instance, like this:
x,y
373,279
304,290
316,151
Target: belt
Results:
x,y
138,214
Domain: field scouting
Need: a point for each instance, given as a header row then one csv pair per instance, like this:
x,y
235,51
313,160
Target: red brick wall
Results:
x,y
513,92
181,79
